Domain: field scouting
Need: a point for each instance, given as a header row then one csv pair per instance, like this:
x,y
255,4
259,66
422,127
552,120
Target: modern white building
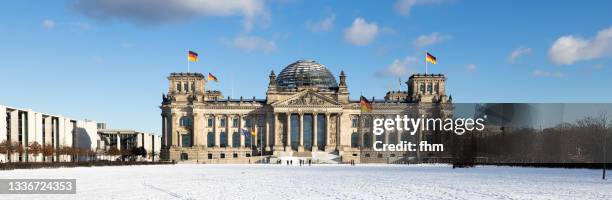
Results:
x,y
128,139
25,127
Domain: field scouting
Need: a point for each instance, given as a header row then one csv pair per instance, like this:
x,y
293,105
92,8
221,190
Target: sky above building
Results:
x,y
107,60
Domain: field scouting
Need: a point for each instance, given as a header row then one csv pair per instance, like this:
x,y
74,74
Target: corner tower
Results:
x,y
427,88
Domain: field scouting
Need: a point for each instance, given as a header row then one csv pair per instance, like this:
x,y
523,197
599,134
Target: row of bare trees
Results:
x,y
584,141
35,149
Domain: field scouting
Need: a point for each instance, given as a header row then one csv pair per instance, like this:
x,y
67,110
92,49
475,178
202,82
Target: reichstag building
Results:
x,y
307,114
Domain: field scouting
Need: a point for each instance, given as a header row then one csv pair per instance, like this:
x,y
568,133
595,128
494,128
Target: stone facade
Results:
x,y
305,114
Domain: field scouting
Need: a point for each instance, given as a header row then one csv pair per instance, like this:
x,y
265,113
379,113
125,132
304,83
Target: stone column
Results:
x,y
217,133
204,131
301,146
277,137
314,132
118,141
288,138
164,136
194,130
338,130
267,143
327,130
240,129
171,131
230,136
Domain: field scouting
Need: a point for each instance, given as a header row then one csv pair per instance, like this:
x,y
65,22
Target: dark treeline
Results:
x,y
36,165
580,142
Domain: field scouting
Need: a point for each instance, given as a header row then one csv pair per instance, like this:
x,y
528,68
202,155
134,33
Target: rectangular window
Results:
x,y
222,122
235,122
355,122
209,122
211,139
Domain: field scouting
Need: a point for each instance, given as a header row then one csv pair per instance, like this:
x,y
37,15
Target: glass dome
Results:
x,y
306,73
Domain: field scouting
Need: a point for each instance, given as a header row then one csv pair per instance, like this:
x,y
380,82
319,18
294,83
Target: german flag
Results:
x,y
366,106
212,78
430,58
192,56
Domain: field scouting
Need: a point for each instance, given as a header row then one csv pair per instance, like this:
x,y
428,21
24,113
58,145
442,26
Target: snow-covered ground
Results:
x,y
191,181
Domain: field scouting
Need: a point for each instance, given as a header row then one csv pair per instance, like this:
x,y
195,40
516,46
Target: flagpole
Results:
x,y
188,67
425,62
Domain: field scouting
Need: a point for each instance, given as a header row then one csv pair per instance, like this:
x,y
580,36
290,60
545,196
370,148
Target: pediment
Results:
x,y
307,98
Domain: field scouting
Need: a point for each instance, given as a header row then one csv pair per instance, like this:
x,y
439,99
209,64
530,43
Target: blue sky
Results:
x,y
107,60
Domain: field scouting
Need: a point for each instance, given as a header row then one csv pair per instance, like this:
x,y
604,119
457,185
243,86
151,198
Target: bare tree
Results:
x,y
18,148
35,149
7,147
113,151
47,151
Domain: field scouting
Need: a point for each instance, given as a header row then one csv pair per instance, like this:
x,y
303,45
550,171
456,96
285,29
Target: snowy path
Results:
x,y
189,181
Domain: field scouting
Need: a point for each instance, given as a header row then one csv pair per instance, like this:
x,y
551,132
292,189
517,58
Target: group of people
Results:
x,y
302,162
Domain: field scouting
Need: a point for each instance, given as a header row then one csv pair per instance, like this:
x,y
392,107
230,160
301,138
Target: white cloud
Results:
x,y
403,7
361,32
470,67
598,66
163,11
326,24
426,40
397,68
540,73
49,24
569,49
521,51
253,43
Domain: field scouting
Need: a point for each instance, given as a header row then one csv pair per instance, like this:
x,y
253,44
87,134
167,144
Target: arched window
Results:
x,y
355,140
211,139
186,121
236,140
367,140
223,139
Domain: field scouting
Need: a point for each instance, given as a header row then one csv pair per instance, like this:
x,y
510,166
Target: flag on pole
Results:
x,y
430,58
366,106
246,132
254,132
212,78
192,56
